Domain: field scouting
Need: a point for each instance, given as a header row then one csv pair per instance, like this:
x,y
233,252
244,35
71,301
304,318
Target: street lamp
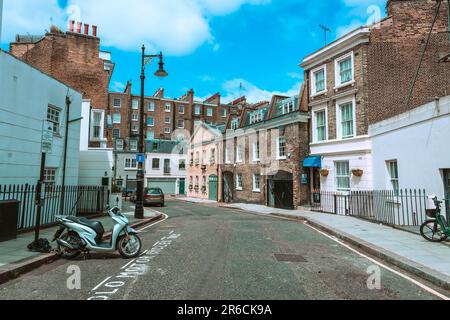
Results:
x,y
161,73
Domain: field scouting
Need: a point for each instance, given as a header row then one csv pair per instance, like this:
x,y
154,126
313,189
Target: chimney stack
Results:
x,y
72,25
79,27
86,29
94,31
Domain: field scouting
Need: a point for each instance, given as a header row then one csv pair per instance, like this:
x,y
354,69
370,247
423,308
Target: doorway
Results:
x,y
227,187
213,187
182,188
281,190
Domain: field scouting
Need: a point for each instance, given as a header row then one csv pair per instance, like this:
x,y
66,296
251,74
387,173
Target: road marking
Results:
x,y
151,225
421,285
130,262
101,283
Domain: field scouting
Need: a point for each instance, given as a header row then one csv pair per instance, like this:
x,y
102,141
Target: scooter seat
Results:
x,y
94,225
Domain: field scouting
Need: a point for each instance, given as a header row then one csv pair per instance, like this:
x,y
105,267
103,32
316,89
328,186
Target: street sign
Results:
x,y
140,158
47,137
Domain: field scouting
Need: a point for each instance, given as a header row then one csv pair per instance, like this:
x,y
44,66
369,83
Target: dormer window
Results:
x,y
256,116
287,106
234,124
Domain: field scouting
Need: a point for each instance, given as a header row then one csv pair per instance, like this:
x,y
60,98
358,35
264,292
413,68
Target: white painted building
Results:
x,y
412,150
28,97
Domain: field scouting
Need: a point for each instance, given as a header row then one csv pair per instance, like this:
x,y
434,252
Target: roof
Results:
x,y
162,146
28,38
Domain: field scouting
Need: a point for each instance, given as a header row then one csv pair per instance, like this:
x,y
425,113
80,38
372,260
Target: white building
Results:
x,y
28,97
166,166
412,150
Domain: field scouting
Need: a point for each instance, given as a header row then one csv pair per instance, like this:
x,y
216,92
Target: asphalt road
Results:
x,y
206,252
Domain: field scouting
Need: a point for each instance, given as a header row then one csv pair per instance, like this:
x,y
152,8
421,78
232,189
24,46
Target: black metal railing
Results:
x,y
405,207
78,200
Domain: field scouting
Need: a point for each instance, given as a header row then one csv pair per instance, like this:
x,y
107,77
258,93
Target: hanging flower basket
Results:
x,y
324,172
191,187
358,172
204,189
196,188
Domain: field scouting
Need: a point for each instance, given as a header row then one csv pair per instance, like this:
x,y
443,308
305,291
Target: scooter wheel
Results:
x,y
73,239
130,248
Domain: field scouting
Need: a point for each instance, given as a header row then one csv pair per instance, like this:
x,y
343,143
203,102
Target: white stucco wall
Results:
x,y
420,142
94,163
25,94
84,131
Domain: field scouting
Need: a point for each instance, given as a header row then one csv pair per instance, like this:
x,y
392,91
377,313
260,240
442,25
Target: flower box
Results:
x,y
324,172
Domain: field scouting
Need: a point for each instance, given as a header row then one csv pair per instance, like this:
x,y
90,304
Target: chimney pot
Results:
x,y
94,31
71,25
86,29
79,27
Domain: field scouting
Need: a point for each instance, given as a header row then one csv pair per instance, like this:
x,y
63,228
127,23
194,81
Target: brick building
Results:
x,y
365,77
75,58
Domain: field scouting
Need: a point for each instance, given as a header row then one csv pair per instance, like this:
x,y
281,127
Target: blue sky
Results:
x,y
209,45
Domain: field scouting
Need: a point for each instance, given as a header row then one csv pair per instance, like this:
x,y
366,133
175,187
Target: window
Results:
x,y
342,175
204,181
151,106
116,133
130,164
50,175
287,107
150,135
134,117
318,80
256,183
181,109
181,124
344,70
97,125
227,155
256,151
53,116
155,164
168,107
204,157
117,103
212,160
150,122
235,124
209,112
223,113
197,157
281,148
133,145
167,130
167,120
117,118
119,144
346,118
239,185
321,125
256,116
182,165
166,166
393,174
135,104
239,154
197,110
135,128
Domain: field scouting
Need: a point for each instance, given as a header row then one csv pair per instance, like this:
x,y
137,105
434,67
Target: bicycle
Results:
x,y
437,229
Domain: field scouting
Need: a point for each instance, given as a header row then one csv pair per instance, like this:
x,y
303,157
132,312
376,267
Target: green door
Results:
x,y
168,186
182,186
213,187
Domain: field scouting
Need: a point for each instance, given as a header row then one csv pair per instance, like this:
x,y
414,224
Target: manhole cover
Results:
x,y
289,258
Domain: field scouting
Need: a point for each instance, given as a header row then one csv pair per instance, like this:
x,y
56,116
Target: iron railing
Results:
x,y
78,200
405,207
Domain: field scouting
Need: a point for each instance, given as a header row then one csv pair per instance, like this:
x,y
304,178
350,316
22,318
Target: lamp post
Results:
x,y
161,73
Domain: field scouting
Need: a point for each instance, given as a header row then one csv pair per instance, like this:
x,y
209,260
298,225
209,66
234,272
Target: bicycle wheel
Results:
x,y
432,231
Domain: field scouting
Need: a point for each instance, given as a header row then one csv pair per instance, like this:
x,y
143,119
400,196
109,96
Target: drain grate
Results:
x,y
289,258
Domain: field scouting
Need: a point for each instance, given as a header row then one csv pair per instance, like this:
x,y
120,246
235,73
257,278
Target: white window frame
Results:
x,y
114,118
178,123
116,137
101,124
256,151
197,110
133,145
154,168
167,120
132,164
339,176
135,104
279,157
313,73
339,103
224,113
55,118
227,155
47,174
391,178
151,125
323,108
239,182
181,109
167,130
168,107
135,117
209,112
234,124
114,103
337,70
151,106
135,128
255,189
239,155
119,146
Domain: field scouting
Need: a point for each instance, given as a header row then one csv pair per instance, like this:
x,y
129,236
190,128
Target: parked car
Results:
x,y
152,196
128,192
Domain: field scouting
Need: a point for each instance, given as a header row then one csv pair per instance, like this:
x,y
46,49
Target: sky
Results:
x,y
235,47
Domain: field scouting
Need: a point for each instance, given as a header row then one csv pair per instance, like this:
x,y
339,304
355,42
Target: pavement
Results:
x,y
406,250
205,252
196,200
15,258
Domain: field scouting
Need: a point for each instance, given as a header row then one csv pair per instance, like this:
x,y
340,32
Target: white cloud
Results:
x,y
118,86
361,12
177,27
233,89
295,75
343,30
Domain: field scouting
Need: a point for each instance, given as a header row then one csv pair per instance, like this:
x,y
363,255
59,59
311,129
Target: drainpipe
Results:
x,y
63,187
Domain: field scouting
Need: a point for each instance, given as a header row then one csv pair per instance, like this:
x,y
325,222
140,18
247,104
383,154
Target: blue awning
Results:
x,y
312,162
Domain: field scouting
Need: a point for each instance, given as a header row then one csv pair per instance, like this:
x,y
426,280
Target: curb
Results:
x,y
33,263
412,267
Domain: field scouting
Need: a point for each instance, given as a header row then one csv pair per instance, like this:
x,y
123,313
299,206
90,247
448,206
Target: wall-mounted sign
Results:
x,y
47,137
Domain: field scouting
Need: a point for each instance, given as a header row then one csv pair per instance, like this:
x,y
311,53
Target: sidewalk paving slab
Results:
x,y
16,259
196,200
430,261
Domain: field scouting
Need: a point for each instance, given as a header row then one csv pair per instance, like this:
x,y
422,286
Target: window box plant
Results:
x,y
324,172
204,189
191,187
196,187
358,172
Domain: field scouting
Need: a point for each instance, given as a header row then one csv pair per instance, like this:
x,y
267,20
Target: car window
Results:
x,y
154,192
